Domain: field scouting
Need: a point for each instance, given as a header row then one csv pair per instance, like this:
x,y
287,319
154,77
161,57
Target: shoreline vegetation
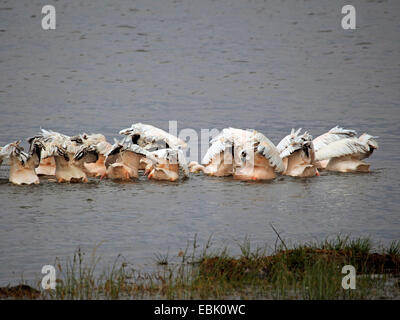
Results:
x,y
306,271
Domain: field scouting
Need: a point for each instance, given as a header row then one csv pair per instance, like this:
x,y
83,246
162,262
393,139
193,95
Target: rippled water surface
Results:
x,y
268,65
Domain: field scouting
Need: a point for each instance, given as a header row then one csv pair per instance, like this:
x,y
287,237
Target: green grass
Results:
x,y
394,248
161,259
307,271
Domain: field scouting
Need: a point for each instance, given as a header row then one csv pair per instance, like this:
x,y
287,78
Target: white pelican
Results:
x,y
346,155
22,165
297,153
335,134
245,154
93,143
123,160
47,166
165,164
63,150
152,138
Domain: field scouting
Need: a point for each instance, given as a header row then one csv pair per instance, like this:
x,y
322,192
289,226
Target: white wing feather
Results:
x,y
341,148
7,151
94,141
335,134
289,150
285,142
294,142
53,142
228,137
215,149
152,135
270,152
13,150
246,140
125,146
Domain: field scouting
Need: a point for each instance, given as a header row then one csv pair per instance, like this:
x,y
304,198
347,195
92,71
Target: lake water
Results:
x,y
268,65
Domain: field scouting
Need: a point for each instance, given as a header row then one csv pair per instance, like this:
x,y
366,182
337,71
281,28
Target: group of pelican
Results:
x,y
243,154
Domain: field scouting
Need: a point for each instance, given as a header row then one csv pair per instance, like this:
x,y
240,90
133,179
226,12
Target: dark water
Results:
x,y
268,65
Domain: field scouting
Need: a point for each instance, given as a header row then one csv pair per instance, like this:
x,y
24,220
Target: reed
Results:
x,y
307,271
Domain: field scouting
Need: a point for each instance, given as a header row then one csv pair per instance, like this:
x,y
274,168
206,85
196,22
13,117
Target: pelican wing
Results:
x,y
91,152
266,148
286,141
226,139
48,135
97,139
296,142
52,149
14,150
53,143
4,153
114,153
341,148
11,149
150,135
137,149
216,148
234,135
47,147
290,149
335,134
87,153
270,152
245,139
225,133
